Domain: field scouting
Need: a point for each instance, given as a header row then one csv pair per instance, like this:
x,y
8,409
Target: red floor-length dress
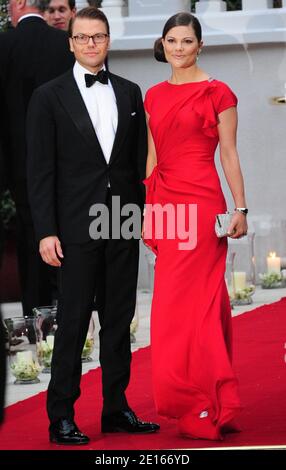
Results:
x,y
191,340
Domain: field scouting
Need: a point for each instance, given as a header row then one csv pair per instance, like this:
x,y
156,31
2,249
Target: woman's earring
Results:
x,y
198,55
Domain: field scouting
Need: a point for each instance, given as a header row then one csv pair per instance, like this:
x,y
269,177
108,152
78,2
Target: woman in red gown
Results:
x,y
188,115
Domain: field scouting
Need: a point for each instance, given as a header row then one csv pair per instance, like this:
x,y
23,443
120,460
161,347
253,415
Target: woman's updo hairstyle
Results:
x,y
180,19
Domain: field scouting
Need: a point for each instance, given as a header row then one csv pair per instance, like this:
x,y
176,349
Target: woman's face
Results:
x,y
181,46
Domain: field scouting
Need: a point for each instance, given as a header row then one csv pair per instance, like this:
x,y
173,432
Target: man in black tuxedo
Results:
x,y
31,54
86,144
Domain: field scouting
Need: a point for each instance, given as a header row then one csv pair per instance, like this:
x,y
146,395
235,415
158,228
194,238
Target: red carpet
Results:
x,y
259,360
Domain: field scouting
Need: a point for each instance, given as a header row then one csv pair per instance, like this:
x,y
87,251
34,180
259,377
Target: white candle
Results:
x,y
239,279
273,263
25,356
50,341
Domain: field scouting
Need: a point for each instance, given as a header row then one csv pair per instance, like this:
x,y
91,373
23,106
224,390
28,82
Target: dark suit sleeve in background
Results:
x,y
41,154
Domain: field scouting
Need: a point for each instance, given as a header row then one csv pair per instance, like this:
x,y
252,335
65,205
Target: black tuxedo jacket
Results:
x,y
30,55
67,171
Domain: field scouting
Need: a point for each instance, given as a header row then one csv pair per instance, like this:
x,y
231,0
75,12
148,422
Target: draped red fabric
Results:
x,y
191,341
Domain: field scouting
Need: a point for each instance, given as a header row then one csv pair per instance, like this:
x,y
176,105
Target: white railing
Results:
x,y
135,24
145,7
220,5
149,7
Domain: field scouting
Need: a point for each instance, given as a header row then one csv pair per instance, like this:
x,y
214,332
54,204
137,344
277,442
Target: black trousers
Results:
x,y
109,269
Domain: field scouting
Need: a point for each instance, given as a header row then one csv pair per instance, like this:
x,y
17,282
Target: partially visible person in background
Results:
x,y
31,54
59,13
2,334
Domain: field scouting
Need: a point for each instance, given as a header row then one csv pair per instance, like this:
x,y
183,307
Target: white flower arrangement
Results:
x,y
45,352
25,368
272,280
242,294
88,347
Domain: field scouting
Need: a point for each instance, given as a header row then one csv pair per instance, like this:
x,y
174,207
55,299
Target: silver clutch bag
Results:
x,y
222,223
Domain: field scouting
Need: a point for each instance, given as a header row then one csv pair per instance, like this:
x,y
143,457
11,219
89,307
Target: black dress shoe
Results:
x,y
66,432
126,421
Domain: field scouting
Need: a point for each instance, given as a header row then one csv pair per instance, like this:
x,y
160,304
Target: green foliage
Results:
x,y
25,370
245,293
4,19
7,206
272,280
7,210
88,347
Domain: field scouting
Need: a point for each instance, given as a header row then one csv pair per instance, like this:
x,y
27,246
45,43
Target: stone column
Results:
x,y
114,8
209,6
256,4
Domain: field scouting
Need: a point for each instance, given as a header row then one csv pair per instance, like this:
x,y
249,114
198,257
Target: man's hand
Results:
x,y
51,250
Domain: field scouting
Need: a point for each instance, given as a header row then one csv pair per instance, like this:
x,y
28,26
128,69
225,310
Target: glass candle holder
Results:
x,y
270,238
88,347
22,350
150,258
134,325
240,287
46,326
229,273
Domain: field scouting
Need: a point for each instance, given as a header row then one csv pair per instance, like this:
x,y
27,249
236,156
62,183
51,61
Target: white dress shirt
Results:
x,y
29,15
100,102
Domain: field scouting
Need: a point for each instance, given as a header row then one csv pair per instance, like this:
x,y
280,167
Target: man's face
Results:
x,y
91,55
58,14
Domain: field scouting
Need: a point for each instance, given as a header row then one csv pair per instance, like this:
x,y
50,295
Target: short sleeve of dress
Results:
x,y
224,98
147,102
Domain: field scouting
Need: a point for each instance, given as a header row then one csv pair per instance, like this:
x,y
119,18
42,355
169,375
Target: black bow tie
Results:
x,y
101,76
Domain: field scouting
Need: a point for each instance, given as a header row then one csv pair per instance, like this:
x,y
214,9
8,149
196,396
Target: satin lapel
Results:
x,y
72,101
124,114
